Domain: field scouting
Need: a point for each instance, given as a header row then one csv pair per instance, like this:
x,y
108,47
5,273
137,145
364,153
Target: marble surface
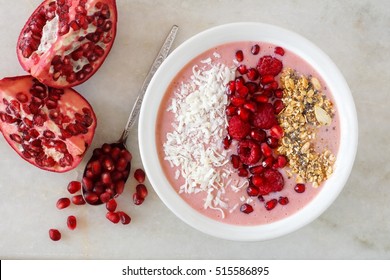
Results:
x,y
353,33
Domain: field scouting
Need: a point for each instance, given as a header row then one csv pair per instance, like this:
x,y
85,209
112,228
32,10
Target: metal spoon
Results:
x,y
108,169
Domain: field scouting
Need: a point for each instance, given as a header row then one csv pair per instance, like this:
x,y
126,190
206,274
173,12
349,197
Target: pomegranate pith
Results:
x,y
63,43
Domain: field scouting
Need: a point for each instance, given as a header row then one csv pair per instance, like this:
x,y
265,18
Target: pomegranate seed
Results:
x,y
231,110
74,186
278,93
242,91
87,184
252,86
266,150
267,162
111,205
242,69
281,161
137,199
72,222
231,88
239,55
246,208
91,197
279,51
272,142
276,131
54,234
300,188
267,79
125,219
258,134
257,180
258,169
251,106
78,200
269,205
113,217
105,197
252,74
237,101
227,141
252,190
278,106
260,98
235,161
243,172
283,200
255,49
63,203
119,187
141,190
139,175
243,113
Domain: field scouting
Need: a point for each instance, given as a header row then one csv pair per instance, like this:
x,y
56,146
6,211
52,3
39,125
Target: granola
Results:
x,y
307,108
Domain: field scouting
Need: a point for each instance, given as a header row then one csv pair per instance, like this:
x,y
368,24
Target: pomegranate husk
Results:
x,y
83,39
54,135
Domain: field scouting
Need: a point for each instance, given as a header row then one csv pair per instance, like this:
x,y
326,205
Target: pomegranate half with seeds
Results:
x,y
50,128
64,42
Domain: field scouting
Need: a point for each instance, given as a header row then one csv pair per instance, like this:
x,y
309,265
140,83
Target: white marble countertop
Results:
x,y
357,226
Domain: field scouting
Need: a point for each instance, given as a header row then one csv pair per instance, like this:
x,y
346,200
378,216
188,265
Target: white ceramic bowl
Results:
x,y
248,32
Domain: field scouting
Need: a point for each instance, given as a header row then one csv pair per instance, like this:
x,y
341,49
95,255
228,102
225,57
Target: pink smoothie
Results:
x,y
326,137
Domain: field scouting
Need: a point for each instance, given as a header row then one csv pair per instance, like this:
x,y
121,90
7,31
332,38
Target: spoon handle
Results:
x,y
163,53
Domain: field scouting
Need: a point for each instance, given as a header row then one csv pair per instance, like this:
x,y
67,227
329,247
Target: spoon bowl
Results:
x,y
109,167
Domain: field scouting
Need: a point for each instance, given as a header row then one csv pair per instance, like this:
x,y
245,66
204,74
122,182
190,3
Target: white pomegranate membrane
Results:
x,y
191,126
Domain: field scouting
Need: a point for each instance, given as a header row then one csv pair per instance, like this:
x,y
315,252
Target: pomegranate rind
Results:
x,y
39,63
70,103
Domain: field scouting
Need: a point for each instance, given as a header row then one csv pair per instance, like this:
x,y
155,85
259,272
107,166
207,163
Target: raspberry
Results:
x,y
238,129
249,152
269,65
273,182
265,117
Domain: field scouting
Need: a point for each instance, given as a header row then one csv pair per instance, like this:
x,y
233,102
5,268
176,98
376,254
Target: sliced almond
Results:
x,y
322,116
316,83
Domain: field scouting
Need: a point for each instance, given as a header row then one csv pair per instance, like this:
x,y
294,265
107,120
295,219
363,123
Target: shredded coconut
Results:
x,y
194,145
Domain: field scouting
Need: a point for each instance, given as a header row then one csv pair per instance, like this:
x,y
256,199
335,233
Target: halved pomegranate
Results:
x,y
64,42
50,128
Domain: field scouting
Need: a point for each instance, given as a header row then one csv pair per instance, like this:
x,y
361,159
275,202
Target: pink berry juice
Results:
x,y
223,201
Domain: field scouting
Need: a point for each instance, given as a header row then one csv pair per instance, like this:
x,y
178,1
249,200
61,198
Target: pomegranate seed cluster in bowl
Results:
x,y
248,131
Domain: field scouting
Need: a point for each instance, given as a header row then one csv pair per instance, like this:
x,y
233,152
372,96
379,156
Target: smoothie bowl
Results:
x,y
248,132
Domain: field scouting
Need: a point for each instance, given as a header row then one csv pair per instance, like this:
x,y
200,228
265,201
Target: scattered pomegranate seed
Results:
x,y
74,186
269,205
283,200
72,222
252,74
281,161
111,205
243,172
300,188
141,190
279,51
137,199
255,49
63,203
227,141
139,175
239,55
125,219
246,208
54,234
113,217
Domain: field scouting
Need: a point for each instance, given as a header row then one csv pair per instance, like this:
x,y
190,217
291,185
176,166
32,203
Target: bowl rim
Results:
x,y
248,31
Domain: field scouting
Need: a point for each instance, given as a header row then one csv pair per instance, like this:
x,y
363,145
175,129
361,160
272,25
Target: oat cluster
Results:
x,y
307,108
